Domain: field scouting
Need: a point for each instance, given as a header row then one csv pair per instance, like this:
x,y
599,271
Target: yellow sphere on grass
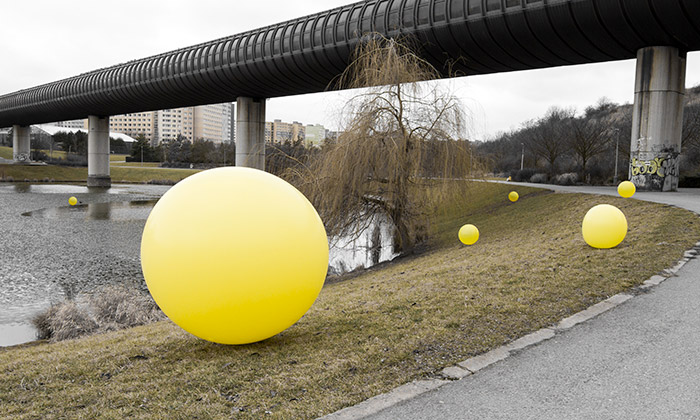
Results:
x,y
513,196
234,255
604,226
72,201
626,189
468,234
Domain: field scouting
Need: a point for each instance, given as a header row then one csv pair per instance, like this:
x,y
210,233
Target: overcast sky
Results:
x,y
46,40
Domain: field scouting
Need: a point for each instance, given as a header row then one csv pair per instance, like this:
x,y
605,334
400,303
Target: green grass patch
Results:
x,y
6,152
79,174
136,164
405,320
118,158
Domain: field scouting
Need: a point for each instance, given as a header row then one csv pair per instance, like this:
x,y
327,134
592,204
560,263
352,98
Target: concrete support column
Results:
x,y
657,119
98,152
250,133
21,144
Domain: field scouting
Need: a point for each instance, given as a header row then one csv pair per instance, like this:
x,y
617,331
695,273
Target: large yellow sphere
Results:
x,y
513,196
468,234
72,201
234,255
604,226
626,189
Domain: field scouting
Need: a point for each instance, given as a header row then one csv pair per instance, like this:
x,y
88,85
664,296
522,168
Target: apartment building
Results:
x,y
208,122
280,132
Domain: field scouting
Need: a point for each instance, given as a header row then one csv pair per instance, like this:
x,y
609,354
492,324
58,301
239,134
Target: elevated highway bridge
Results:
x,y
306,55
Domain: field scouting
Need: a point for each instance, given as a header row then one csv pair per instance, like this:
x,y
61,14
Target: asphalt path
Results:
x,y
640,360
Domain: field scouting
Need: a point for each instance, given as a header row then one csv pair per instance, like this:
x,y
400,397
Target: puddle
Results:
x,y
115,211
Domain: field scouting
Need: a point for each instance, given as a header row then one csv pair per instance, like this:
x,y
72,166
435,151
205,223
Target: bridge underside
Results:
x,y
306,55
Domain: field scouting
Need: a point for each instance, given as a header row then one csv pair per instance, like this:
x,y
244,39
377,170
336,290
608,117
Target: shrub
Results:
x,y
124,307
566,179
539,178
523,175
689,182
64,321
112,308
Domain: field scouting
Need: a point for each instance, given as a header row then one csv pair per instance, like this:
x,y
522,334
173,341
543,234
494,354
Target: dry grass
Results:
x,y
366,335
111,308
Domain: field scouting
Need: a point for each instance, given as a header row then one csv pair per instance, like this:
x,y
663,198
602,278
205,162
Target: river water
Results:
x,y
50,251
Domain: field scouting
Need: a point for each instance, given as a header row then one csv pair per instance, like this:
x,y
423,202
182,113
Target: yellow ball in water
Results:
x,y
234,255
468,234
626,189
72,201
513,196
604,226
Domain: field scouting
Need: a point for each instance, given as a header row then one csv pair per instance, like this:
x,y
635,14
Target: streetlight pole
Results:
x,y
617,147
522,156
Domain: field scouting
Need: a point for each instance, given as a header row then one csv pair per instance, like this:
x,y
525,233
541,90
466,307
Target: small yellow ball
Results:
x,y
72,201
468,234
626,189
513,196
604,226
234,255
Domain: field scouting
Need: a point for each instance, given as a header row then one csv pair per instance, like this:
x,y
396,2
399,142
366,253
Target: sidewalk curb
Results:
x,y
474,364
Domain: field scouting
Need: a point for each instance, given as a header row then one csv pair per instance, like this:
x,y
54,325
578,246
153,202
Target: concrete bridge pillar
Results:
x,y
657,119
250,133
98,152
21,144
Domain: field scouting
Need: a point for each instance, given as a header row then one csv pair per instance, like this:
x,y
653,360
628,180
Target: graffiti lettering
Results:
x,y
660,166
21,157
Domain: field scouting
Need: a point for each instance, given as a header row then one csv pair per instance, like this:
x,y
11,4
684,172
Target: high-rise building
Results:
x,y
78,124
170,124
207,122
315,134
213,122
134,125
280,132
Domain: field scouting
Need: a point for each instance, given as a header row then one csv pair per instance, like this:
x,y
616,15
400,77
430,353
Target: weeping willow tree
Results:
x,y
400,152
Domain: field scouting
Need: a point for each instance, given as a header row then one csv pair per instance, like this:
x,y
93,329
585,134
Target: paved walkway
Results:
x,y
639,360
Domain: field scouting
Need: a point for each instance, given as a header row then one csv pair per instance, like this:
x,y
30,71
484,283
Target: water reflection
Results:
x,y
372,246
16,333
26,188
129,210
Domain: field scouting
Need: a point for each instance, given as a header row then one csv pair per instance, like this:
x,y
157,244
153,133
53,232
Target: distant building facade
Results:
x,y
133,125
213,122
207,122
315,134
280,132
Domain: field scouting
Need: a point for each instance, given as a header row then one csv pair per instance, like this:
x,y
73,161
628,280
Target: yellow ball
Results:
x,y
72,201
508,179
234,255
468,234
513,196
626,189
604,226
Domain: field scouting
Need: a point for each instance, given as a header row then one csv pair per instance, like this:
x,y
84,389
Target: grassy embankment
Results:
x,y
120,171
366,335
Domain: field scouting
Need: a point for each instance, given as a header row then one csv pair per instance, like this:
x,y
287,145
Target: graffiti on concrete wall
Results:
x,y
21,157
660,173
660,166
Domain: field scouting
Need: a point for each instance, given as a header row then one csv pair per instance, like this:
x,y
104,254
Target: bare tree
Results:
x,y
691,126
588,138
399,152
546,137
